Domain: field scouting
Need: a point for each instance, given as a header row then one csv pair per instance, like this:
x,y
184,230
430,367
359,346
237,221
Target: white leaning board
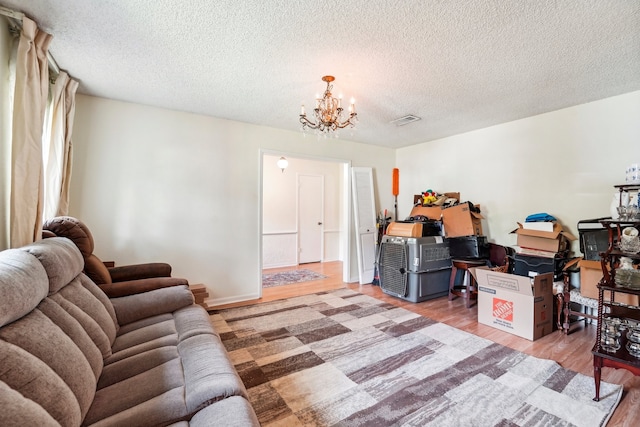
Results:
x,y
365,220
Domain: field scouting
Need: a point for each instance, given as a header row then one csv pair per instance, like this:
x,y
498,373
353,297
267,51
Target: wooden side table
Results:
x,y
468,288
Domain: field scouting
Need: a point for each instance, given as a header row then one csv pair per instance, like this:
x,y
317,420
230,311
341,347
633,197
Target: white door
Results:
x,y
310,218
365,219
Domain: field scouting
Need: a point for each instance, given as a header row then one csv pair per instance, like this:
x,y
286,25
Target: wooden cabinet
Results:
x,y
616,321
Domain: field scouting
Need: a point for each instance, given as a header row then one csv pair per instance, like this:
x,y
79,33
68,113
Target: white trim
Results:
x,y
283,265
278,233
212,302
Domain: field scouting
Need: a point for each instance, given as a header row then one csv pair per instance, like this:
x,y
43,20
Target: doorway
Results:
x,y
305,213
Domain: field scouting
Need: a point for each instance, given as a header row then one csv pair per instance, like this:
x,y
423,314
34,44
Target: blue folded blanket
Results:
x,y
540,217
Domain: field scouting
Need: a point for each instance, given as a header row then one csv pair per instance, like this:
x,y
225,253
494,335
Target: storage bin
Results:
x,y
468,247
529,265
416,287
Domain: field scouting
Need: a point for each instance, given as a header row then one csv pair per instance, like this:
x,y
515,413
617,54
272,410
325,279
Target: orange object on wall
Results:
x,y
396,182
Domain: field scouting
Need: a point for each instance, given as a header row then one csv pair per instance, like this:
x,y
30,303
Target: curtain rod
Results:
x,y
11,13
18,16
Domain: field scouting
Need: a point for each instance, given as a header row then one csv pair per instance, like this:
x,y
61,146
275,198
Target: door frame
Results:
x,y
298,220
346,238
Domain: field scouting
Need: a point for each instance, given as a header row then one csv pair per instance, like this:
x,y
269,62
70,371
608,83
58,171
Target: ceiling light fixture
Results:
x,y
282,163
328,112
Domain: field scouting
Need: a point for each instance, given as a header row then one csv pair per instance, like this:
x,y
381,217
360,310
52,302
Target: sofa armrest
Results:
x,y
131,308
139,271
234,411
131,287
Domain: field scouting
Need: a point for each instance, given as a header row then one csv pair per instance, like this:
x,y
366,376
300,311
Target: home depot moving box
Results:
x,y
590,276
460,220
519,305
554,241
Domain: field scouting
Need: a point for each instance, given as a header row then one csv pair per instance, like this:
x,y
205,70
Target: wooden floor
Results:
x,y
571,351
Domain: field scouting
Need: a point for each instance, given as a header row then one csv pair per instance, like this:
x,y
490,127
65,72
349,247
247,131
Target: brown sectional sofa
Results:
x,y
71,356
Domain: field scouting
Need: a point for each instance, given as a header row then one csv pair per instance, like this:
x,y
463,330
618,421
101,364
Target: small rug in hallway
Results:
x,y
289,277
347,359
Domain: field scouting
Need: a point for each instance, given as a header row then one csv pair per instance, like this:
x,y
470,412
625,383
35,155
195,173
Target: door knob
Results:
x,y
319,223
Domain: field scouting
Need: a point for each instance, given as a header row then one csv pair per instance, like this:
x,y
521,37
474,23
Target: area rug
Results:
x,y
341,358
290,277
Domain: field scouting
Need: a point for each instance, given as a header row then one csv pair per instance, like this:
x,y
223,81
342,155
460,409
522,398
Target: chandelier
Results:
x,y
328,112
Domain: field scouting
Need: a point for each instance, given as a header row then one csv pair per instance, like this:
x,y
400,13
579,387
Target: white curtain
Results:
x,y
30,101
57,149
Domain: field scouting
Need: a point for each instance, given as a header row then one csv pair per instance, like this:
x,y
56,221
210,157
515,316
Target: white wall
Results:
x,y
280,204
155,184
564,163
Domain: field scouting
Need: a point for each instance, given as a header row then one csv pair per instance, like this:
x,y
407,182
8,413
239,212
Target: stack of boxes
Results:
x,y
543,247
462,227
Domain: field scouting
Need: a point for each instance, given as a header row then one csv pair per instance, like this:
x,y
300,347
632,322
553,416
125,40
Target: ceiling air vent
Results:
x,y
405,120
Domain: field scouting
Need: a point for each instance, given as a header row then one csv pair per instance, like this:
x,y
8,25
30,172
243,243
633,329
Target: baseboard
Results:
x,y
212,303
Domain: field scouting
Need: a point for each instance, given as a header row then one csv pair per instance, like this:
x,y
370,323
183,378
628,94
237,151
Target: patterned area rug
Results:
x,y
289,277
347,359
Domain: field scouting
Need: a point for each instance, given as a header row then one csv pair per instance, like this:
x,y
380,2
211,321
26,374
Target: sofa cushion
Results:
x,y
23,284
158,331
136,364
60,258
76,294
17,410
145,396
147,304
75,330
100,296
35,377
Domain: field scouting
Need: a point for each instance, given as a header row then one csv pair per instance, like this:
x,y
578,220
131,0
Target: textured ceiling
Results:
x,y
459,65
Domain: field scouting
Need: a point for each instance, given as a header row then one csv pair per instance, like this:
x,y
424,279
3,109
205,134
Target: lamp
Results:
x,y
328,112
282,163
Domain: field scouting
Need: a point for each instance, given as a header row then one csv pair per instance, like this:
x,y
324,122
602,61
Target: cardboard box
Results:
x,y
461,221
431,212
590,276
539,226
519,305
554,241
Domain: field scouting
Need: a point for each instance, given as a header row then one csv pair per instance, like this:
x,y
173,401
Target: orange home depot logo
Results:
x,y
503,309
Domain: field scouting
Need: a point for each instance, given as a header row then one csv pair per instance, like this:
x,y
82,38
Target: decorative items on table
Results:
x,y
610,334
633,174
633,341
628,278
629,240
628,212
